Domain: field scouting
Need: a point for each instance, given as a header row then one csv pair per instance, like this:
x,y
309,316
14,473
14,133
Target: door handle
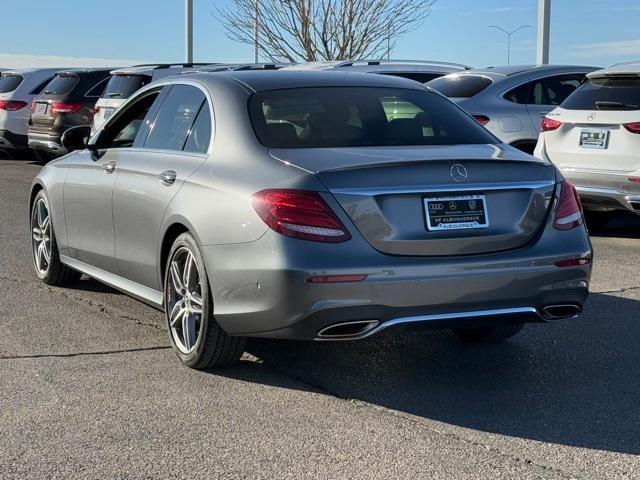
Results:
x,y
109,167
168,177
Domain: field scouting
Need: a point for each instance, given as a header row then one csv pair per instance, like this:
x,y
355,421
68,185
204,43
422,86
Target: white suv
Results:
x,y
18,88
594,138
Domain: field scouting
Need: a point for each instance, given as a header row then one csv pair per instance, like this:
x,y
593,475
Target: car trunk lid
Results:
x,y
384,191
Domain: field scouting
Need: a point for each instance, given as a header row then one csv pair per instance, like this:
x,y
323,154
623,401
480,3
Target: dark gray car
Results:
x,y
510,101
316,206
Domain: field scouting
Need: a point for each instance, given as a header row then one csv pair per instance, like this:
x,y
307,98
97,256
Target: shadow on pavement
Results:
x,y
617,224
574,382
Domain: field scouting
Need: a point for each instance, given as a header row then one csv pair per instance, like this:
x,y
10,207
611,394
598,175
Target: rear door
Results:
x,y
165,155
593,135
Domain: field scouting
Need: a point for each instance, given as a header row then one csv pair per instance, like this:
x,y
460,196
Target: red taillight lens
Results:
x,y
60,107
569,211
12,105
572,262
299,214
633,127
547,124
481,119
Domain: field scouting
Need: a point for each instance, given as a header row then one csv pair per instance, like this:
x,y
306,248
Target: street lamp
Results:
x,y
509,38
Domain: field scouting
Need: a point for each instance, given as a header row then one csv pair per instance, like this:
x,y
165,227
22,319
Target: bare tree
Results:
x,y
308,30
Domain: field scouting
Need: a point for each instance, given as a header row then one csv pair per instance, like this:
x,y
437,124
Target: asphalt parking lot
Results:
x,y
90,388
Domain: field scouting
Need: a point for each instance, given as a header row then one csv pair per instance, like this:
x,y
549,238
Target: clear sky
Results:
x,y
117,32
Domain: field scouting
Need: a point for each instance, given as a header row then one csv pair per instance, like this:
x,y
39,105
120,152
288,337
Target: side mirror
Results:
x,y
76,138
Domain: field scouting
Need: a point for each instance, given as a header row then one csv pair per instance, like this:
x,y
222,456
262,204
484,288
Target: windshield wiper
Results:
x,y
605,104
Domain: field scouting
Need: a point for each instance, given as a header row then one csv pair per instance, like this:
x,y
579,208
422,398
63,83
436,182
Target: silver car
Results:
x,y
511,101
317,206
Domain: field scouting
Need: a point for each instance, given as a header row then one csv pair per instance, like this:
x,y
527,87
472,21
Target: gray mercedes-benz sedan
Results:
x,y
309,205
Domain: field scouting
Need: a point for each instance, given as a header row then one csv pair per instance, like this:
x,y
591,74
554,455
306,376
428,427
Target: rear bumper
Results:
x,y
12,140
605,190
260,288
49,143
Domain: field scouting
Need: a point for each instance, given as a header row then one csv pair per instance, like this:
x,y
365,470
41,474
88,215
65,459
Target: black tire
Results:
x,y
489,333
213,347
54,272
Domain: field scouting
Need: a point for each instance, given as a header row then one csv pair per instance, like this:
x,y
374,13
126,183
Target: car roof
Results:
x,y
382,66
84,70
625,68
262,80
23,71
148,69
511,70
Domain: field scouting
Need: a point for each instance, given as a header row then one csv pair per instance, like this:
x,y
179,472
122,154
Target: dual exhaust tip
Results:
x,y
362,328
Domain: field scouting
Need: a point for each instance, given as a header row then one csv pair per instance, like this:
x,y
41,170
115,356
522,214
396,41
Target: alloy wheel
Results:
x,y
184,300
41,236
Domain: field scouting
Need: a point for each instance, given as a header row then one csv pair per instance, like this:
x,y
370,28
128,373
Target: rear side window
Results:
x,y
8,83
460,86
360,117
40,87
98,89
60,85
175,118
200,133
122,86
611,93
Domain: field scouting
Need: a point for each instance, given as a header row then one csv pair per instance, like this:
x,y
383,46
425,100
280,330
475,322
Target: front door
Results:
x,y
87,198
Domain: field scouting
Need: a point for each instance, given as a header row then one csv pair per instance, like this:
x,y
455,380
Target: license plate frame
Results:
x,y
41,108
594,138
447,212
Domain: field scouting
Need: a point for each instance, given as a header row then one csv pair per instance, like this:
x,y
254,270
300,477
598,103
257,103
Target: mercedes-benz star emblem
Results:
x,y
458,172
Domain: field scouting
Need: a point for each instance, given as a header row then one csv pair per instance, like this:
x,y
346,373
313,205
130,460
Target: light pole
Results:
x,y
544,17
509,38
188,31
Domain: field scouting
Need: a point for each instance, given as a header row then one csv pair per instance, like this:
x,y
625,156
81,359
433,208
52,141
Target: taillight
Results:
x,y
12,105
547,124
60,107
572,262
481,119
299,214
569,211
633,127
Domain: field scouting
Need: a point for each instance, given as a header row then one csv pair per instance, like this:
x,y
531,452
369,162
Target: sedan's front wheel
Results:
x,y
46,258
196,338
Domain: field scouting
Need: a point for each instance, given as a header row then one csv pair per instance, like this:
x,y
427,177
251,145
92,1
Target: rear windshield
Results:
x,y
360,117
122,86
460,86
612,93
61,84
8,83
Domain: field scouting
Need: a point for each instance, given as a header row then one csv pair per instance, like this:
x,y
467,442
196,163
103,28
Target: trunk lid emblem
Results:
x,y
458,172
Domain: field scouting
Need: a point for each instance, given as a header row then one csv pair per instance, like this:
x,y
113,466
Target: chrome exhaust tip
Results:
x,y
347,330
561,312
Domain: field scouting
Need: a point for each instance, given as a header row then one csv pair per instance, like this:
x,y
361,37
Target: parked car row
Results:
x,y
512,102
38,116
